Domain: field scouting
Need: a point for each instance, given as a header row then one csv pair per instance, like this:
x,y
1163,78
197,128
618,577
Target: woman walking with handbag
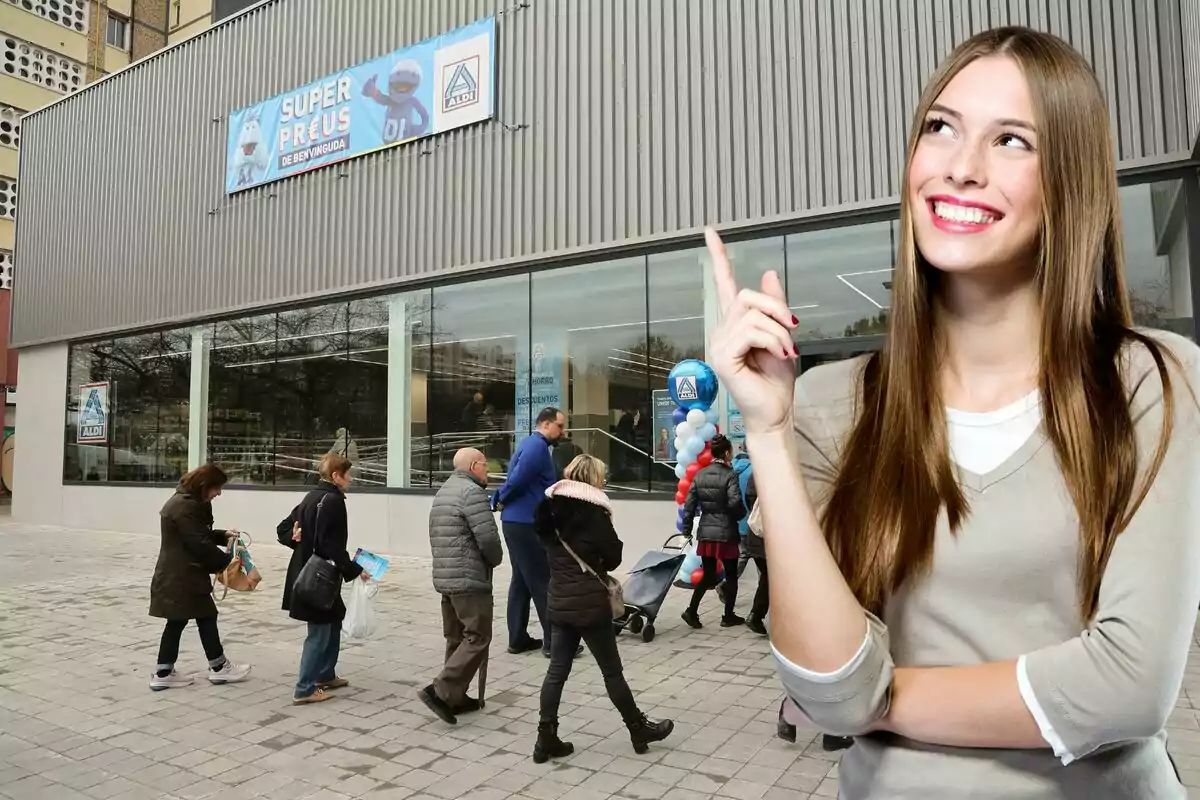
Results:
x,y
181,589
311,592
575,524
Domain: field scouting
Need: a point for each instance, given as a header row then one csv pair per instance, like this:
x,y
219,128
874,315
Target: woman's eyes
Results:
x,y
938,126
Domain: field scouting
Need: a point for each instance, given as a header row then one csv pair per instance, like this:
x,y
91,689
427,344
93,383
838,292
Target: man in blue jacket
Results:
x,y
530,474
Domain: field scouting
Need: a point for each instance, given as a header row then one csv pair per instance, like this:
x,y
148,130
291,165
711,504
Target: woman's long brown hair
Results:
x,y
896,476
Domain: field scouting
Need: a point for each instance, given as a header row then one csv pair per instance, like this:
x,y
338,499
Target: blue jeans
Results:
x,y
318,661
530,581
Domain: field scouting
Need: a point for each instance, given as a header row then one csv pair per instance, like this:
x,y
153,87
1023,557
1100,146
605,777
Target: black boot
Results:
x,y
755,623
549,745
643,732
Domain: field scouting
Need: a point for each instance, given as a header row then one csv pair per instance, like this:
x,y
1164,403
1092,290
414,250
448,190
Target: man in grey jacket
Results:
x,y
466,548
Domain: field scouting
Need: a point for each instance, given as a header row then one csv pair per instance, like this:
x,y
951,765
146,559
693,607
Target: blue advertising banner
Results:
x,y
427,88
664,426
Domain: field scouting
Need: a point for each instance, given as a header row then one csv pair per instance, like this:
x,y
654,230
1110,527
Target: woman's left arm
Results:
x,y
1119,679
611,548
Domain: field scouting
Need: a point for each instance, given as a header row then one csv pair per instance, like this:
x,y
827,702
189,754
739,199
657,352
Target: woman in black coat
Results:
x,y
576,515
320,525
181,590
716,497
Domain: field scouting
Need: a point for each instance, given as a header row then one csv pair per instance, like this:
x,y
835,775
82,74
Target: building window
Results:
x,y
8,197
1157,256
118,32
35,65
6,269
86,460
71,14
364,389
586,355
10,126
242,399
480,335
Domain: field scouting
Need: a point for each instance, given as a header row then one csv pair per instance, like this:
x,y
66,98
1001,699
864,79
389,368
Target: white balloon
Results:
x,y
679,443
684,431
696,418
680,470
707,432
711,415
695,445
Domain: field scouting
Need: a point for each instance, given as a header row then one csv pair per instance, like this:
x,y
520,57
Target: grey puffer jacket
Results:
x,y
463,537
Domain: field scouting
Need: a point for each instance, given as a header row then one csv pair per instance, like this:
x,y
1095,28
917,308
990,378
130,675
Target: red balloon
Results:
x,y
684,485
680,498
692,470
697,575
705,458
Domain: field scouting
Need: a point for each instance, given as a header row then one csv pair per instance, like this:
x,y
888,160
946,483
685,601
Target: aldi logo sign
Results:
x,y
92,423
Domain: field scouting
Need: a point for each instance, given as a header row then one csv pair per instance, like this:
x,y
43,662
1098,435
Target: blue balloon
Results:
x,y
712,415
679,415
693,384
707,432
680,470
682,513
679,525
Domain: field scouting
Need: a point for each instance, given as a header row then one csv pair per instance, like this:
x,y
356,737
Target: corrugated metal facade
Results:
x,y
1190,17
619,121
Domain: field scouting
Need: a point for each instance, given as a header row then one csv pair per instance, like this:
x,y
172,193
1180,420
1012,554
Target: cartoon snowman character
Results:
x,y
250,157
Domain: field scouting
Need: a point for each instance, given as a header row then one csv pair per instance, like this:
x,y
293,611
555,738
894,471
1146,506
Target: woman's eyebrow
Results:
x,y
1006,121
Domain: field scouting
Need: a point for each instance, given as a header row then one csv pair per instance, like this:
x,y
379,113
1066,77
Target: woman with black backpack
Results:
x,y
319,526
717,498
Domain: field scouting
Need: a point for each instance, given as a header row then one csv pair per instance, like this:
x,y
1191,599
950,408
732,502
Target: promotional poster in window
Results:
x,y
427,88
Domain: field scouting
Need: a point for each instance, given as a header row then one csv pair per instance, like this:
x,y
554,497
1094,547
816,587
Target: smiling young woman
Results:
x,y
996,519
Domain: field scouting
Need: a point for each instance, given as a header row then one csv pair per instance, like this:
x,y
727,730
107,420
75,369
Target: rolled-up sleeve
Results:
x,y
1120,679
849,700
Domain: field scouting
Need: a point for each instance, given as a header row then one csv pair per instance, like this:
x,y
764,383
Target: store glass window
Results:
x,y
242,399
839,283
474,395
310,376
363,384
409,347
1158,255
174,394
86,456
588,357
675,330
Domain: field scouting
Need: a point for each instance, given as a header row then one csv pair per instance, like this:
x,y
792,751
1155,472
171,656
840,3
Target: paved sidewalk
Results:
x,y
77,720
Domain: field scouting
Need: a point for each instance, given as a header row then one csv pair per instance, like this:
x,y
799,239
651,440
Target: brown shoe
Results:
x,y
336,683
318,696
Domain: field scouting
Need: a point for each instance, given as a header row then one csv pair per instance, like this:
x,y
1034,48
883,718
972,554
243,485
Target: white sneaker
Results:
x,y
230,673
172,681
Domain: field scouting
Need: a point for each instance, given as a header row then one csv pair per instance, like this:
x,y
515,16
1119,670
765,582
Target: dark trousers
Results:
x,y
602,642
210,637
530,581
318,660
711,579
467,626
762,595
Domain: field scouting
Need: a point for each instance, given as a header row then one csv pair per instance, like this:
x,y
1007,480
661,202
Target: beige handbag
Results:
x,y
240,575
755,521
616,593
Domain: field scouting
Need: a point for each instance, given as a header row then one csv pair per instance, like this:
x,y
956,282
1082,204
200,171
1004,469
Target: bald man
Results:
x,y
466,549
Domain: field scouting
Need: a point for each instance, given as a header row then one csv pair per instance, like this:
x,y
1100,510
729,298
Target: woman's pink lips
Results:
x,y
956,226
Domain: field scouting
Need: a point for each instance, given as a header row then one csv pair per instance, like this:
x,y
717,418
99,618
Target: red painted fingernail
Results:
x,y
795,320
795,351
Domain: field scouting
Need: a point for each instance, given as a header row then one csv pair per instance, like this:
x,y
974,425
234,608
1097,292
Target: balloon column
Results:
x,y
693,386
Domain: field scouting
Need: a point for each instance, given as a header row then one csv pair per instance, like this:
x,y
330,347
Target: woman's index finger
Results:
x,y
722,270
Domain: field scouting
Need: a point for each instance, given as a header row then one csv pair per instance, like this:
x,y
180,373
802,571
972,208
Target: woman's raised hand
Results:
x,y
751,348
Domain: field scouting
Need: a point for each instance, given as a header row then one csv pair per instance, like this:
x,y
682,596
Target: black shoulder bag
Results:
x,y
319,582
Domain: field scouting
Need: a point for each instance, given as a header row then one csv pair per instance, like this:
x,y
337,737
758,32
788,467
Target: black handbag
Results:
x,y
319,582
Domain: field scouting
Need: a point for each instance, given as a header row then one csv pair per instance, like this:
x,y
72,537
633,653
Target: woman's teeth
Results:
x,y
956,213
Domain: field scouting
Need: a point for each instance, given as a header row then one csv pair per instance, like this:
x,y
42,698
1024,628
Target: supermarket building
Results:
x,y
396,229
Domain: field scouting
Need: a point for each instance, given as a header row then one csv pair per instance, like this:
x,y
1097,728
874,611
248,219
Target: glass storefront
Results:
x,y
399,382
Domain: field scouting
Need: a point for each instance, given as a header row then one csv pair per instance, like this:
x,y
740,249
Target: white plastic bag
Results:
x,y
359,623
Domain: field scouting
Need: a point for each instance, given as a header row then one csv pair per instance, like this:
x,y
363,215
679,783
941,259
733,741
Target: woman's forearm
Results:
x,y
976,706
816,622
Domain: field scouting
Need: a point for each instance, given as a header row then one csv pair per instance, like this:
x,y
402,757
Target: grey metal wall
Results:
x,y
619,121
1190,25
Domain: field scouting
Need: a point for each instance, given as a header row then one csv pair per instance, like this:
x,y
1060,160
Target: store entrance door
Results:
x,y
824,350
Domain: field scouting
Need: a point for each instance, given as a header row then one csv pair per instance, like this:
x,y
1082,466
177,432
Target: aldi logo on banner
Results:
x,y
462,87
92,425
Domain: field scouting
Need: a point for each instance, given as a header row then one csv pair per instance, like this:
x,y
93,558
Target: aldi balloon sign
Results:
x,y
693,387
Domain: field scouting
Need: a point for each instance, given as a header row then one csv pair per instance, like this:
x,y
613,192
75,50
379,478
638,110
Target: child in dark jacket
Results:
x,y
574,522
